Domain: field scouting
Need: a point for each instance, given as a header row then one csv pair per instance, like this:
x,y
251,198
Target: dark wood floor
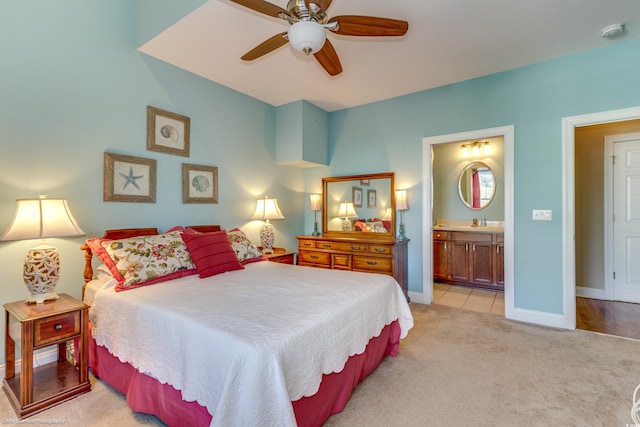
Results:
x,y
608,317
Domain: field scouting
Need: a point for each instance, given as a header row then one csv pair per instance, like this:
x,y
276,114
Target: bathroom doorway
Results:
x,y
507,135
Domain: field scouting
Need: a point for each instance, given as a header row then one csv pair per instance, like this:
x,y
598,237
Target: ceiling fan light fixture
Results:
x,y
307,36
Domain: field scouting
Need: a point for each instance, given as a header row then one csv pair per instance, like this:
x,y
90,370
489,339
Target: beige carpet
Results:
x,y
456,368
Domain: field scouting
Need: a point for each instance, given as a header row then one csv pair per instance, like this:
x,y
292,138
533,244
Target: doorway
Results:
x,y
587,264
507,133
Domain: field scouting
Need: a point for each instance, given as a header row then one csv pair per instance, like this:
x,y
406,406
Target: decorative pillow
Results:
x,y
212,252
245,249
144,260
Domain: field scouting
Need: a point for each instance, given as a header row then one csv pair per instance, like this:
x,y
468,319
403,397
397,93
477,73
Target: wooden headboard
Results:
x,y
124,233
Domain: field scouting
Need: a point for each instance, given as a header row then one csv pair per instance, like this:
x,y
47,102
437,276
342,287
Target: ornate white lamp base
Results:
x,y
41,273
267,237
347,225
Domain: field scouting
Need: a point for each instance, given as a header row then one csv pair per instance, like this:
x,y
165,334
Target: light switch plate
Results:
x,y
541,215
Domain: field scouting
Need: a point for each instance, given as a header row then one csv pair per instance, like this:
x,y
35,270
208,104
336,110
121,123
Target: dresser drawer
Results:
x,y
55,328
341,261
343,246
378,265
381,249
306,244
312,257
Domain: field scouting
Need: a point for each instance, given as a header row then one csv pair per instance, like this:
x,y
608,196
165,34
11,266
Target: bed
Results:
x,y
263,344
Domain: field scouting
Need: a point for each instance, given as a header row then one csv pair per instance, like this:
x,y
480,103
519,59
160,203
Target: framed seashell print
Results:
x,y
199,184
168,132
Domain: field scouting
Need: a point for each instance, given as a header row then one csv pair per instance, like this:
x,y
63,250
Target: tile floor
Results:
x,y
484,301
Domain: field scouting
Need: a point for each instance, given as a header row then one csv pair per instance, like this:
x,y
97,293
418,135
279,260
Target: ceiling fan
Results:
x,y
309,23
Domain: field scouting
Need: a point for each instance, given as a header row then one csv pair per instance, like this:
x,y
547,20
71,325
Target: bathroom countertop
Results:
x,y
478,229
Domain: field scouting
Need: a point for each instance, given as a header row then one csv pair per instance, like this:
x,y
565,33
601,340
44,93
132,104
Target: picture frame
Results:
x,y
356,197
365,182
199,183
129,179
371,198
168,132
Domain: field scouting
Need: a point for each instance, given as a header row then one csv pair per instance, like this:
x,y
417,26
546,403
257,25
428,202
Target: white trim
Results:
x,y
583,291
539,317
507,132
39,358
568,199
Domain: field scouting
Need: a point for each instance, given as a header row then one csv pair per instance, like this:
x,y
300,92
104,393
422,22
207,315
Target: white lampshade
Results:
x,y
346,210
316,202
39,219
402,203
388,214
307,36
267,209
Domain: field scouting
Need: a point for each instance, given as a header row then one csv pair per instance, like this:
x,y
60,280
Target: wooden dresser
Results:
x,y
358,254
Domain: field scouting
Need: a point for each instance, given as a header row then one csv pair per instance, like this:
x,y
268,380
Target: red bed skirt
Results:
x,y
147,395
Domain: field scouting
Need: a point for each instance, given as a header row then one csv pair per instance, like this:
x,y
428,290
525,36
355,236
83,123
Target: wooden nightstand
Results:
x,y
37,326
282,256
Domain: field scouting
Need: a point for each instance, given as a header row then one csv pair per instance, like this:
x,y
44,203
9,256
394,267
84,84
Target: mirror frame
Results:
x,y
387,237
462,199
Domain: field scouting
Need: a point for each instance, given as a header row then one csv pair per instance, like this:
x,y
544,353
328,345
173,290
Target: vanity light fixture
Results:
x,y
347,211
475,147
267,209
38,219
316,205
402,204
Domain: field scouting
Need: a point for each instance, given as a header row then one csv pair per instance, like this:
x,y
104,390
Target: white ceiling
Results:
x,y
448,41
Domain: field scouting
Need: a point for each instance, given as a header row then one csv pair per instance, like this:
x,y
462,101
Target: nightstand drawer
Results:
x,y
377,265
55,328
319,258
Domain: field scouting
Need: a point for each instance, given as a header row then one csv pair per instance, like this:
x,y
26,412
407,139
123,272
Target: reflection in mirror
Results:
x,y
476,185
359,204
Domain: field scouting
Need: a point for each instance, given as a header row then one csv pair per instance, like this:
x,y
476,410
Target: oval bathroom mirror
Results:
x,y
476,185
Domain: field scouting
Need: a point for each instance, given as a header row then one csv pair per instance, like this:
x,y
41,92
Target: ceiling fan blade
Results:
x,y
328,58
266,46
322,4
355,25
263,7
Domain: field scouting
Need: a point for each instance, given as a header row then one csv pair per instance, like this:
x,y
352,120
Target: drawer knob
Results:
x,y
380,250
355,248
372,263
325,245
314,256
57,327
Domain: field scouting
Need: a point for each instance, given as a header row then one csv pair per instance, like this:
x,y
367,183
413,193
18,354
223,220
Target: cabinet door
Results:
x,y
482,263
499,264
440,260
459,261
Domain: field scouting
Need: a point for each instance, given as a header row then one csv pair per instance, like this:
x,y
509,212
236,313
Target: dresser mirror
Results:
x,y
359,206
476,185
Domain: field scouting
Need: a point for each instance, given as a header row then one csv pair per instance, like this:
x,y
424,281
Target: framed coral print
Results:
x,y
129,179
168,132
371,198
356,197
199,184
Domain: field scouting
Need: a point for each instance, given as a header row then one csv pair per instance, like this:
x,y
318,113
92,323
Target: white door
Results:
x,y
626,218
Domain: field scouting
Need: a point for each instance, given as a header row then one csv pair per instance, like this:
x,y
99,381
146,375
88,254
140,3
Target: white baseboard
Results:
x,y
539,317
418,297
583,291
39,359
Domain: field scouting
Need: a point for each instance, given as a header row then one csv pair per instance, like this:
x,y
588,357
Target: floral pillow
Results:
x,y
245,249
144,260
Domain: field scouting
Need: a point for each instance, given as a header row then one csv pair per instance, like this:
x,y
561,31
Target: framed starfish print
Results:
x,y
129,179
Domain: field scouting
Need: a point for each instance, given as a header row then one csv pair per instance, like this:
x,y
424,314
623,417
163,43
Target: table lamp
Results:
x,y
401,205
267,209
347,211
316,205
38,219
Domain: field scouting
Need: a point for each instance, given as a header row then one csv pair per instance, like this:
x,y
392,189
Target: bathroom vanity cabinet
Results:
x,y
472,258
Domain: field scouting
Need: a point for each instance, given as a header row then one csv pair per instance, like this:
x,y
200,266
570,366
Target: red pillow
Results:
x,y
212,253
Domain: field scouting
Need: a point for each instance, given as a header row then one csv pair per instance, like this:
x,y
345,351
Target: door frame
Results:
x,y
507,133
569,124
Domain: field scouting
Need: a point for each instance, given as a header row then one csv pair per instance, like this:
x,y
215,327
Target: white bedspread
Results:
x,y
246,343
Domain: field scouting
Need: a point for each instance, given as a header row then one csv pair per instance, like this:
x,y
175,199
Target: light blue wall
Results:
x,y
534,99
73,86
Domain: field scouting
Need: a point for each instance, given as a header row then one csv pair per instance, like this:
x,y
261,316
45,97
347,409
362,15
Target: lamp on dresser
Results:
x,y
39,219
267,209
316,205
402,205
